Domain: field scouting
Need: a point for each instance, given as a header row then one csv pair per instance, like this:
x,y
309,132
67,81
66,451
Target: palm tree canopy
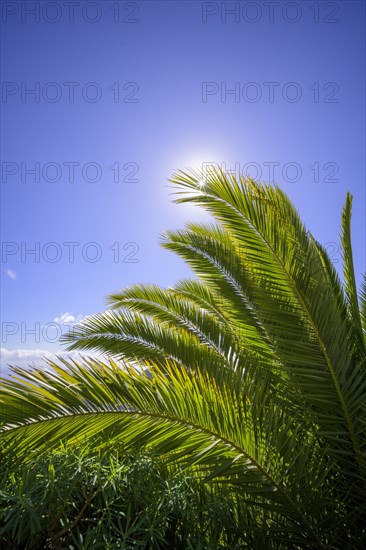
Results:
x,y
257,367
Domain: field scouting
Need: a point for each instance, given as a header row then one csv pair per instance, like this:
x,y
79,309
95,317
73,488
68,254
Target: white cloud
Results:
x,y
8,354
35,358
10,273
26,358
68,318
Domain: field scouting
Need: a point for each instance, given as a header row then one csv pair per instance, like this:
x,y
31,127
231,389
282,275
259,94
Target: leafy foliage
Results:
x,y
80,499
254,373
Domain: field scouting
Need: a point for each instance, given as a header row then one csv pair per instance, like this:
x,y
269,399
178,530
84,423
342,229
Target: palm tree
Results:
x,y
253,373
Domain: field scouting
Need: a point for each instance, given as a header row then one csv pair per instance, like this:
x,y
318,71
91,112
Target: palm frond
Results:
x,y
295,303
363,304
349,276
253,373
207,426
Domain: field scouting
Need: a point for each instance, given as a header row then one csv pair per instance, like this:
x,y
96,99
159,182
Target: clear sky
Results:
x,y
101,101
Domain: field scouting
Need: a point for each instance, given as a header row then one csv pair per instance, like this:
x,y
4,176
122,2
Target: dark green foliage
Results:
x,y
79,499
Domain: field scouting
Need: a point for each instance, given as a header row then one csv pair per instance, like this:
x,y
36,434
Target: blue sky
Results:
x,y
124,93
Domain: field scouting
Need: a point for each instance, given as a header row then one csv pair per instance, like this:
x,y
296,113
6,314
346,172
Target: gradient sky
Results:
x,y
145,87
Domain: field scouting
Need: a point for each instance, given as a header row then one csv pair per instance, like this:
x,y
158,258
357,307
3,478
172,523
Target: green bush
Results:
x,y
83,499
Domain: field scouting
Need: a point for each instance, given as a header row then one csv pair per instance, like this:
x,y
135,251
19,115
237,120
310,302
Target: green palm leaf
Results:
x,y
207,425
253,373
